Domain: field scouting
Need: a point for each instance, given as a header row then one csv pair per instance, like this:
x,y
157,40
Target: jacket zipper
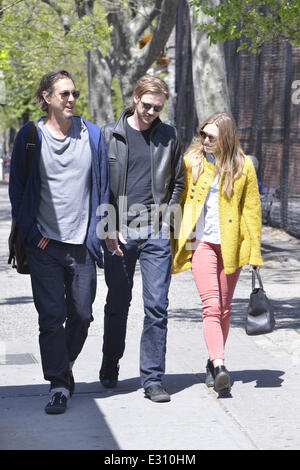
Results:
x,y
124,186
151,163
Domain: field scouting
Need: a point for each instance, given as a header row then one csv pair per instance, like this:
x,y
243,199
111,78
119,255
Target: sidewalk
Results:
x,y
262,412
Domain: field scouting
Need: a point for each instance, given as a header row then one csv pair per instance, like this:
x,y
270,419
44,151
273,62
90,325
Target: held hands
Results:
x,y
112,243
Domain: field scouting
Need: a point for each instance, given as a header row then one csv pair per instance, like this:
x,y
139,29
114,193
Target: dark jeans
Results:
x,y
155,262
63,278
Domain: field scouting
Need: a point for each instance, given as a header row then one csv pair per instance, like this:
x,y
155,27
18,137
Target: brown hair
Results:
x,y
149,84
47,84
229,156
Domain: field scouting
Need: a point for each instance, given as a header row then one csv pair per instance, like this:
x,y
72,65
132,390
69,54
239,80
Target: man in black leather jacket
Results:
x,y
146,182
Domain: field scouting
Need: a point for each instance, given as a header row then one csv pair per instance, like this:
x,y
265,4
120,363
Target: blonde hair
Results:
x,y
229,156
149,84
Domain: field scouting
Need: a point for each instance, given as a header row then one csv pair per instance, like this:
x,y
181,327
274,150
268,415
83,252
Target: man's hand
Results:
x,y
112,243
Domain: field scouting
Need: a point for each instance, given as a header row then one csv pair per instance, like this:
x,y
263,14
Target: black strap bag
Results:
x,y
17,251
260,314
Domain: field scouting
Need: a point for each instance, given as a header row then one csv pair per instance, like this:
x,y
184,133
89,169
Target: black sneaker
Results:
x,y
210,374
57,404
222,380
109,372
157,393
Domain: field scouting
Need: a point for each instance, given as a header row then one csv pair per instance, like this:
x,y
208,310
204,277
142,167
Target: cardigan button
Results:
x,y
191,196
230,220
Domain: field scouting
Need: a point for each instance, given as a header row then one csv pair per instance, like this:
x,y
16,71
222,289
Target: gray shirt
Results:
x,y
65,172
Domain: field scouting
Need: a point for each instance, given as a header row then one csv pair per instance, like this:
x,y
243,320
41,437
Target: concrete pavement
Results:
x,y
263,411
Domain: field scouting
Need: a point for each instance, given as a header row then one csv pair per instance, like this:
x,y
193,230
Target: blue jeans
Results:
x,y
63,278
155,260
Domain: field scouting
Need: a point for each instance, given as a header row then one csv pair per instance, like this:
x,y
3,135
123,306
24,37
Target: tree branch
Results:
x,y
163,29
148,20
121,36
64,19
2,10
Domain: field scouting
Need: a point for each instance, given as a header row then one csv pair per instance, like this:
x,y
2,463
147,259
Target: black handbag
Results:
x,y
17,251
260,314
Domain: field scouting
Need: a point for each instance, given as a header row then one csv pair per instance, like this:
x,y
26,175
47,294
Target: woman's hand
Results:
x,y
252,266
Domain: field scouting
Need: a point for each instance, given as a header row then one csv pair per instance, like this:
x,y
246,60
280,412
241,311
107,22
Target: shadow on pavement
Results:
x,y
264,378
17,300
287,313
24,424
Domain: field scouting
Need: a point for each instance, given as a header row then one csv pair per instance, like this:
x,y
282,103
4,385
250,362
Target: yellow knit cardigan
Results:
x,y
239,218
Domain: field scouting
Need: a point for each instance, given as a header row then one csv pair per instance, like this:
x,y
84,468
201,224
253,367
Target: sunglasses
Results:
x,y
211,138
66,94
148,106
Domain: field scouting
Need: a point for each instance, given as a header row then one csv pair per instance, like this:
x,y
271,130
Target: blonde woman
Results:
x,y
220,230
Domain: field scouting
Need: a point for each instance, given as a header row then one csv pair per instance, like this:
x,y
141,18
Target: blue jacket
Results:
x,y
25,194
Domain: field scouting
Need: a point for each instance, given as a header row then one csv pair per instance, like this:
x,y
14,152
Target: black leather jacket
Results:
x,y
167,171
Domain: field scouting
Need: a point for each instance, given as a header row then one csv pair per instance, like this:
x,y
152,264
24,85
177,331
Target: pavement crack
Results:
x,y
241,428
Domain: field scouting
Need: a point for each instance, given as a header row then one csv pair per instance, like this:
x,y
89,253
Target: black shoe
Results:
x,y
157,393
109,372
57,404
72,383
210,374
222,380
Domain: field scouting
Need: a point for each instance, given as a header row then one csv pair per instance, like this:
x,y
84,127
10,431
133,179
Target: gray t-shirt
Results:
x,y
65,172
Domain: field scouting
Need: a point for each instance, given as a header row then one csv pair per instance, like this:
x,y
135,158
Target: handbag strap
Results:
x,y
256,274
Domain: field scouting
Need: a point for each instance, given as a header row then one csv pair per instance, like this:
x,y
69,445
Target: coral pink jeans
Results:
x,y
216,291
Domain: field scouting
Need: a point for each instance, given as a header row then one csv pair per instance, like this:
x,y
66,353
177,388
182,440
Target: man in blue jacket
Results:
x,y
55,209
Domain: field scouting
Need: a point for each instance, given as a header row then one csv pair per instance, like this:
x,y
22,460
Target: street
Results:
x,y
262,412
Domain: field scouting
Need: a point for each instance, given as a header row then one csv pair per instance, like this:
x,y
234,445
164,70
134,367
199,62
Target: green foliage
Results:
x,y
34,40
255,21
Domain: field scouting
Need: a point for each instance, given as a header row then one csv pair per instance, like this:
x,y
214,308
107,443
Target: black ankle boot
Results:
x,y
210,374
222,379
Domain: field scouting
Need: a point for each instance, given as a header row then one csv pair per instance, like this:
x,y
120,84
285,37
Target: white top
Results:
x,y
207,226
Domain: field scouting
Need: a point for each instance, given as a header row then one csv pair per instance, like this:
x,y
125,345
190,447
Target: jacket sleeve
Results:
x,y
178,174
252,215
22,212
104,209
104,172
17,175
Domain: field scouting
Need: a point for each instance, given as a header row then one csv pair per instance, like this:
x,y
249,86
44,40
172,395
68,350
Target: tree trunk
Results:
x,y
185,112
209,71
99,80
171,48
